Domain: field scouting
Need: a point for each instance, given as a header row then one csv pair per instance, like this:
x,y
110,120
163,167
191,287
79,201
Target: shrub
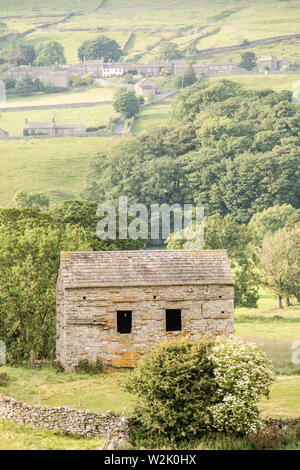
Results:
x,y
84,366
243,375
187,389
4,379
174,385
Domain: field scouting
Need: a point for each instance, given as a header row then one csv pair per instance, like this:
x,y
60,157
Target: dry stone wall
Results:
x,y
71,421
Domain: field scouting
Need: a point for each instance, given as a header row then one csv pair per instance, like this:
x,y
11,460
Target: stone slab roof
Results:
x,y
144,268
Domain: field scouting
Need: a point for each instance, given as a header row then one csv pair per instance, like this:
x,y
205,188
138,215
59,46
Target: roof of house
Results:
x,y
145,83
266,57
144,268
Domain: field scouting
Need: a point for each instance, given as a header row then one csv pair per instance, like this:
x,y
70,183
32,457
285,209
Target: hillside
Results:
x,y
201,24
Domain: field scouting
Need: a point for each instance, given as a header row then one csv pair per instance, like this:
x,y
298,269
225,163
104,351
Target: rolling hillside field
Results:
x,y
206,23
57,167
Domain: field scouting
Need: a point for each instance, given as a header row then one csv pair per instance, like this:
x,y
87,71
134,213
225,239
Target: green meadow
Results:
x,y
84,95
275,82
57,167
95,116
223,24
151,116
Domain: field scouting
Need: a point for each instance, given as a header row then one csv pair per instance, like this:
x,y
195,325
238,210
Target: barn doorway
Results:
x,y
173,320
124,321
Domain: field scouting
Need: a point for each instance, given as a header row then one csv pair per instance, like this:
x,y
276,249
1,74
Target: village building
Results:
x,y
116,306
205,68
267,63
145,87
3,134
53,76
52,129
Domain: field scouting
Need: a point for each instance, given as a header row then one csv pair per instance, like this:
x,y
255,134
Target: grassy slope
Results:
x,y
14,7
227,24
72,96
276,82
19,437
151,116
57,167
13,122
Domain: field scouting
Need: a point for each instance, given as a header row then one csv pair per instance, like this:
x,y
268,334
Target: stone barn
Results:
x,y
117,305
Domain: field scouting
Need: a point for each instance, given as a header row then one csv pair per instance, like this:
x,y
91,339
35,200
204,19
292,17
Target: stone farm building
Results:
x,y
52,129
271,63
117,305
145,87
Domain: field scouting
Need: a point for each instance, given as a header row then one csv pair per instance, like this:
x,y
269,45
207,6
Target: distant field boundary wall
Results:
x,y
56,106
35,137
239,47
45,25
71,421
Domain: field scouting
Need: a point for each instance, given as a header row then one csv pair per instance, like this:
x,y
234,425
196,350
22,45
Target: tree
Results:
x,y
83,214
126,103
37,201
279,259
248,60
25,87
270,220
169,51
226,233
186,389
189,76
50,53
29,258
101,48
28,52
10,83
174,386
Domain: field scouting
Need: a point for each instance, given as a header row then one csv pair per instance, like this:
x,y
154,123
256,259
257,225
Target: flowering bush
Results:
x,y
187,389
243,375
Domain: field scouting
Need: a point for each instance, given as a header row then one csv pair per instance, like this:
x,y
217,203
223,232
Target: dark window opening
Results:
x,y
173,320
124,322
84,298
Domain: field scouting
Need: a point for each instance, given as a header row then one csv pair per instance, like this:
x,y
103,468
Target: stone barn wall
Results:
x,y
206,309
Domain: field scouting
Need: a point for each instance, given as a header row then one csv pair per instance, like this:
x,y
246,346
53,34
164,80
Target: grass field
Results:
x,y
151,116
226,23
13,122
275,82
84,95
15,7
57,167
19,437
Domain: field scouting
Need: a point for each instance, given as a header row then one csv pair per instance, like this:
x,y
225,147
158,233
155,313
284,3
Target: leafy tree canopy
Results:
x,y
50,53
169,51
100,48
126,103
